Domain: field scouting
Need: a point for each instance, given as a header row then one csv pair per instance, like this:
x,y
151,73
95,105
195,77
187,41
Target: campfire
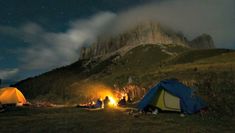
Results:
x,y
112,101
101,96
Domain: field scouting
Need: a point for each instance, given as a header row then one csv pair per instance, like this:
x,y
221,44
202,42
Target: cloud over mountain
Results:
x,y
46,50
192,17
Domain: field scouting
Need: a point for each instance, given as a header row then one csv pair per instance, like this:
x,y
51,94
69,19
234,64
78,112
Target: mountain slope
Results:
x,y
146,64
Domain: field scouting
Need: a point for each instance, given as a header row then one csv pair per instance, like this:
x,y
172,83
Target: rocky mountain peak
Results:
x,y
204,41
145,33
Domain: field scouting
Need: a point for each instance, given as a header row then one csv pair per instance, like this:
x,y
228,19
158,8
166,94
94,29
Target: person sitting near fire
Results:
x,y
106,101
122,102
98,103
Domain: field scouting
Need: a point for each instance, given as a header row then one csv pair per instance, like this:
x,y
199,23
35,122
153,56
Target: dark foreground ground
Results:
x,y
78,120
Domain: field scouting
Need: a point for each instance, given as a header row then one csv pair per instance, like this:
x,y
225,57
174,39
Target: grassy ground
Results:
x,y
110,121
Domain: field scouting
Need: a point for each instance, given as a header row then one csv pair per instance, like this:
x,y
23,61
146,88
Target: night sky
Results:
x,y
55,14
52,15
39,35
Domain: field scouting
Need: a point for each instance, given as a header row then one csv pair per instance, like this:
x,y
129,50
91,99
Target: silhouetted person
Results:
x,y
122,102
98,104
106,101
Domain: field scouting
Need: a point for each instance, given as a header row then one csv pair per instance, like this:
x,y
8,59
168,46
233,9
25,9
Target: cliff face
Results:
x,y
147,33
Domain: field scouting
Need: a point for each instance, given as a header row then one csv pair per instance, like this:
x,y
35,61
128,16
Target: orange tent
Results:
x,y
11,95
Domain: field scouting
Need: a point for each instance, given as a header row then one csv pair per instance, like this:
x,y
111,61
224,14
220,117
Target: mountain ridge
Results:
x,y
146,33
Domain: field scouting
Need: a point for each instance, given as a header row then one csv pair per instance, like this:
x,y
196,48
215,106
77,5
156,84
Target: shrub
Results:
x,y
218,90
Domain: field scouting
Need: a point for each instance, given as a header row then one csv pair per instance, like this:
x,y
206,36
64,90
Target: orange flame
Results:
x,y
112,102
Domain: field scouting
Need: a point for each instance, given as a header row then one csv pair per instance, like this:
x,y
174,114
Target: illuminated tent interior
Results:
x,y
11,95
166,101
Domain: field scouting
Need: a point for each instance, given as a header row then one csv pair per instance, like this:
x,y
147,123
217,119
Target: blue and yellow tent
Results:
x,y
171,95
